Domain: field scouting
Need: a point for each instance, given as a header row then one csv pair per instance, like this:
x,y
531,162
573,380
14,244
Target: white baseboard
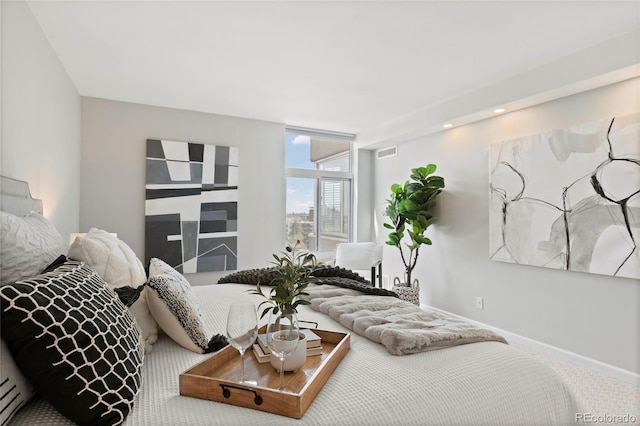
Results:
x,y
589,363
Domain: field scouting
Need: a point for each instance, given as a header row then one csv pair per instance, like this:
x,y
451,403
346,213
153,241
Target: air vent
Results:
x,y
392,151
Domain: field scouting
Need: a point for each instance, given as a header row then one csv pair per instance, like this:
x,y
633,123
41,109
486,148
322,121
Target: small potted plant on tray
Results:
x,y
294,269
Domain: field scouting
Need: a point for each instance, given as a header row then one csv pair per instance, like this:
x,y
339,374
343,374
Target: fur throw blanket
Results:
x,y
401,327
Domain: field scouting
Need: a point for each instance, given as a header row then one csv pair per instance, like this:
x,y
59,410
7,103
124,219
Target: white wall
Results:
x,y
114,138
363,195
40,118
595,316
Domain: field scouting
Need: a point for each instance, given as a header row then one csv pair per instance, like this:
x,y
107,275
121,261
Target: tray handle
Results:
x,y
257,399
315,324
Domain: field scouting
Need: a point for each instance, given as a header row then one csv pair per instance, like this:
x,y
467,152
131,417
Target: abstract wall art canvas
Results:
x,y
569,198
191,207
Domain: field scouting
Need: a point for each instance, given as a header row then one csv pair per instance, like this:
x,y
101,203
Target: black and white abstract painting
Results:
x,y
569,198
191,207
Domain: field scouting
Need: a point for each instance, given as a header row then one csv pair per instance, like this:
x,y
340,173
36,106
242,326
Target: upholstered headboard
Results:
x,y
15,197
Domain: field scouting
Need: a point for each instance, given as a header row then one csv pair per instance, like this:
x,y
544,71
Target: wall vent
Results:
x,y
392,151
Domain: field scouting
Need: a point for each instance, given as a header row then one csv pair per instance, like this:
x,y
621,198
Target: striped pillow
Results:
x,y
15,390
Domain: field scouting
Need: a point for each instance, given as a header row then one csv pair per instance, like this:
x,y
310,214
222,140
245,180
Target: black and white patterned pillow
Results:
x,y
174,307
75,342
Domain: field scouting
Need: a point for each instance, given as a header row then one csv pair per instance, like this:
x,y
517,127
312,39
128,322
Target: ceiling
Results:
x,y
333,65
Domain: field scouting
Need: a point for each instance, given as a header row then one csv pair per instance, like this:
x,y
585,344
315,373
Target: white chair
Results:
x,y
362,258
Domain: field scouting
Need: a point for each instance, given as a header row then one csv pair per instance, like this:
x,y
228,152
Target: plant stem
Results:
x,y
281,371
241,366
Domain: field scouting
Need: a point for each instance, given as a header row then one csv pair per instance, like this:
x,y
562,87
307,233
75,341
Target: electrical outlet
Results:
x,y
479,303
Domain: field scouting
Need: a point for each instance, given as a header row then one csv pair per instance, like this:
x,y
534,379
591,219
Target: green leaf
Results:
x,y
407,205
422,239
413,245
265,312
436,181
431,221
420,221
430,169
419,173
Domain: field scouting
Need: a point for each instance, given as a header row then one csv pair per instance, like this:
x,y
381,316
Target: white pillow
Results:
x,y
119,266
173,305
29,244
14,387
110,257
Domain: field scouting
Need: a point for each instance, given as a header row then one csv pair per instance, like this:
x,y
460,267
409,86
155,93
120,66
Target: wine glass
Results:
x,y
282,338
242,329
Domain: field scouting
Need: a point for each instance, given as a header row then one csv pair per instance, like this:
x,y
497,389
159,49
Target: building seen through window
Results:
x,y
319,182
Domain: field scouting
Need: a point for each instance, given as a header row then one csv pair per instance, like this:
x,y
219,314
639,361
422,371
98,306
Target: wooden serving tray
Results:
x,y
217,378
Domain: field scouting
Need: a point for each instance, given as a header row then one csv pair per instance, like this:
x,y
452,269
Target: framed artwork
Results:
x,y
191,206
569,198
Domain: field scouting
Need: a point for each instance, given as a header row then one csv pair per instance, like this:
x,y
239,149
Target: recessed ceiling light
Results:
x,y
499,110
447,125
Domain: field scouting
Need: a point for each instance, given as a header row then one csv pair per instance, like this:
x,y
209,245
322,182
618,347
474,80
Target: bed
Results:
x,y
484,383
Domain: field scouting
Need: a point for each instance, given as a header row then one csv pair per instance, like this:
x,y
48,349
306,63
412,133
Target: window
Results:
x,y
319,187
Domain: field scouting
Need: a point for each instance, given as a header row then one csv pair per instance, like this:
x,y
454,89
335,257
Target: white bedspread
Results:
x,y
486,383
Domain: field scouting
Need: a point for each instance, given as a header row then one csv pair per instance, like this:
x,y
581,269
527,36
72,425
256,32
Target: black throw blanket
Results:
x,y
323,275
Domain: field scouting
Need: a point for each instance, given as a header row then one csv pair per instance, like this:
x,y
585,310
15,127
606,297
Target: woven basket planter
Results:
x,y
409,293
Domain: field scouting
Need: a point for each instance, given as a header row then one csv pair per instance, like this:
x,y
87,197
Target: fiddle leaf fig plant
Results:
x,y
294,269
409,210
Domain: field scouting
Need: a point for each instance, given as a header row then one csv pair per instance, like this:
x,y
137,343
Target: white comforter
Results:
x,y
487,383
